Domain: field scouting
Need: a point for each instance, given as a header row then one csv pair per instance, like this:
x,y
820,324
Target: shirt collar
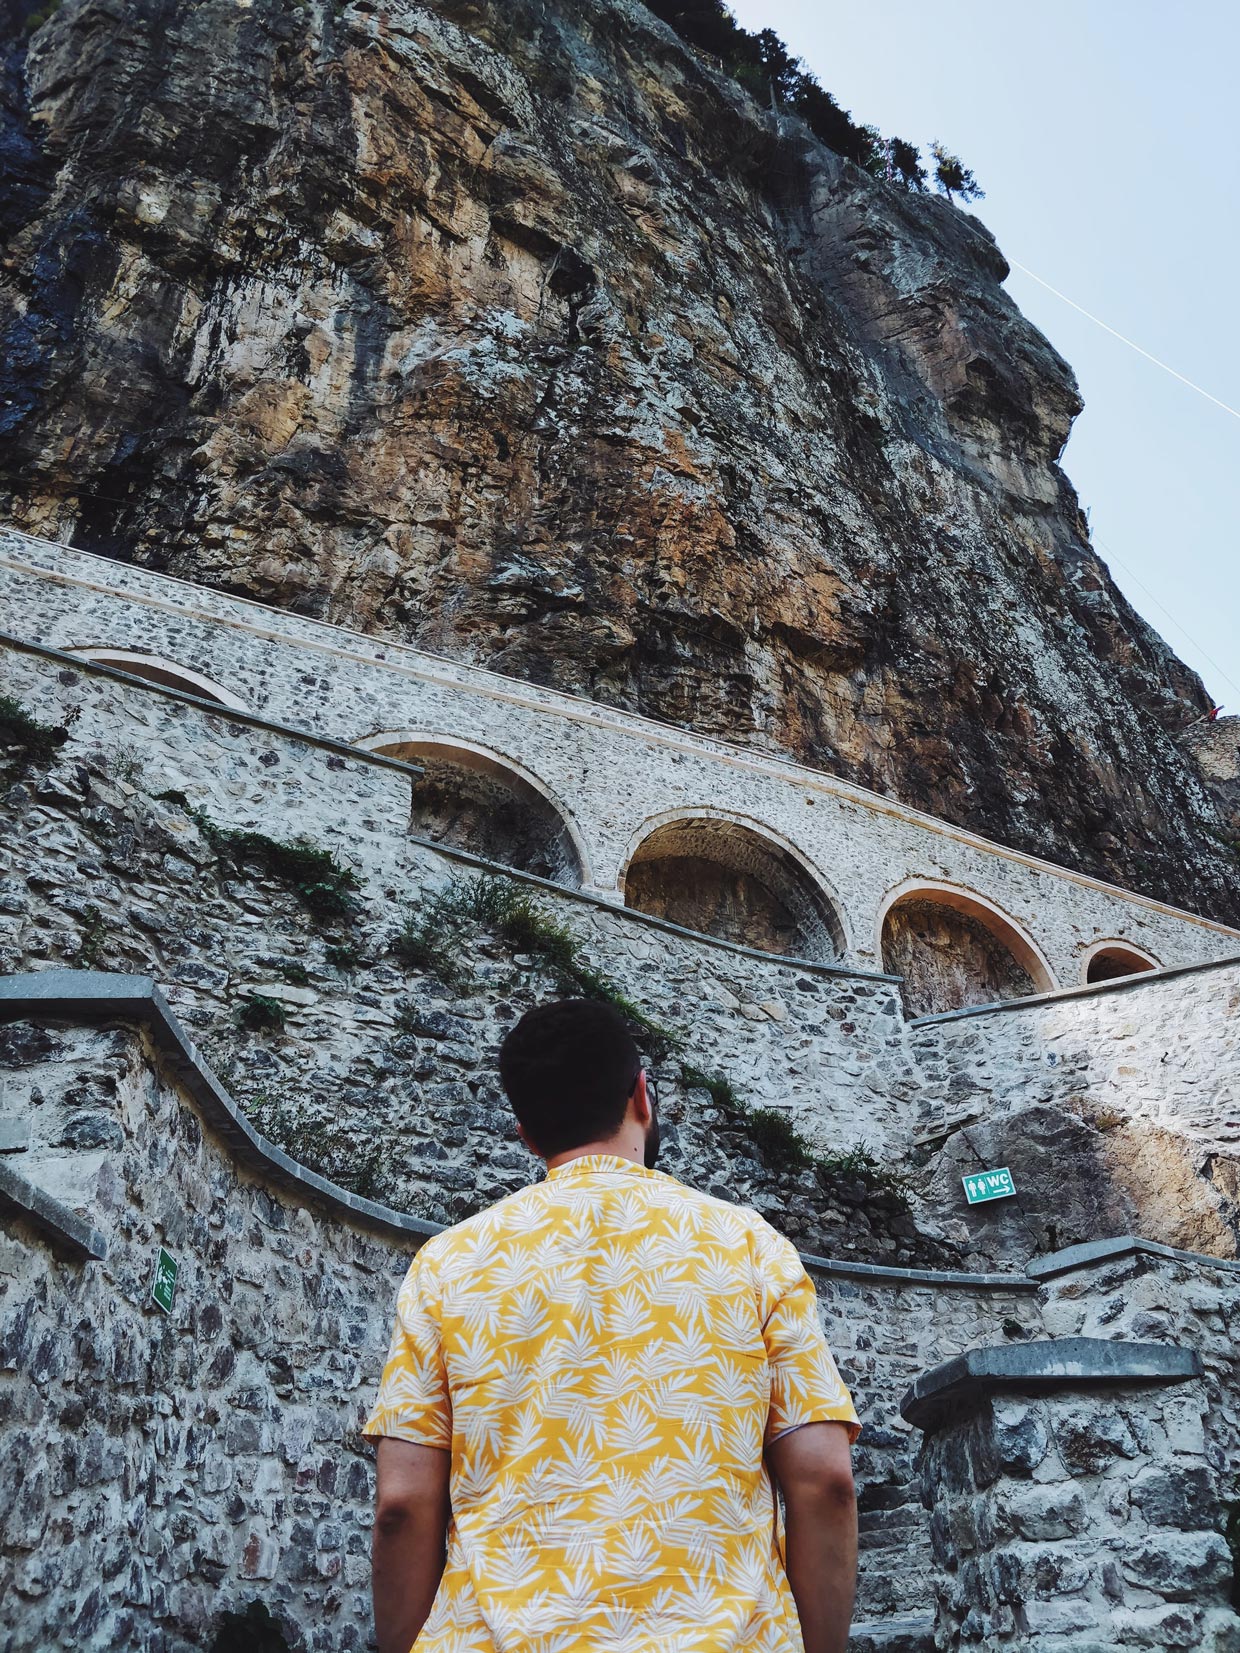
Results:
x,y
598,1165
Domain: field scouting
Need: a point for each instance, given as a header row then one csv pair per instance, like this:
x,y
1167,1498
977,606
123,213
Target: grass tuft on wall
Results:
x,y
314,875
23,737
782,1145
434,937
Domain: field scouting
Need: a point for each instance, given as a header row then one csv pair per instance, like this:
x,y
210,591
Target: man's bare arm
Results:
x,y
813,1465
411,1525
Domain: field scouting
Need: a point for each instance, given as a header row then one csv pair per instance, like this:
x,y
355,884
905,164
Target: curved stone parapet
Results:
x,y
1056,1363
86,997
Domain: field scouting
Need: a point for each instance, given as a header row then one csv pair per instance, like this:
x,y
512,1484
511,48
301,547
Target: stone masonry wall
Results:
x,y
1163,1050
98,868
1079,1520
159,1470
1183,1300
382,1065
613,776
884,1335
1117,1109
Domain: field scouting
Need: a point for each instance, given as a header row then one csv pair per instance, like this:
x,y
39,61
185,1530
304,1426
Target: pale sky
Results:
x,y
1101,131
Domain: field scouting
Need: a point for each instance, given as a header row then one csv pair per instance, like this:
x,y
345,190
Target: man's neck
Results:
x,y
620,1147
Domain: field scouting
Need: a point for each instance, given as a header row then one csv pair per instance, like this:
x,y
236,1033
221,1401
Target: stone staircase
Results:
x,y
902,1633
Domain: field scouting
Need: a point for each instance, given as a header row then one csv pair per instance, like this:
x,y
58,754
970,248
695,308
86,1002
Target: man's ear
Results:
x,y
640,1100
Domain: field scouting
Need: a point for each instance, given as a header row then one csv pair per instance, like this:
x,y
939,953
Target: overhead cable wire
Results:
x,y
1226,407
1123,338
1192,641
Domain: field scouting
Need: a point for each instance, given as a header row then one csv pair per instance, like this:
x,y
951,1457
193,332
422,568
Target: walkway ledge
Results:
x,y
1055,1363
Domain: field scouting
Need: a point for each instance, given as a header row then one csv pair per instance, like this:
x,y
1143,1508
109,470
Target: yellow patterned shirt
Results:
x,y
606,1354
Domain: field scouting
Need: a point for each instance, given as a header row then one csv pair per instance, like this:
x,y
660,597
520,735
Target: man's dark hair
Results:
x,y
569,1069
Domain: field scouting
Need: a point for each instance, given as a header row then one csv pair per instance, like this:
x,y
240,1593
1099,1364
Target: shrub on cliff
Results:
x,y
314,875
764,66
431,939
38,17
365,1164
783,1147
260,1014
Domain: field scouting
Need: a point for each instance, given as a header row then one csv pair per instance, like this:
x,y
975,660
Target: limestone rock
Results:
x,y
1215,747
1183,1197
1064,1194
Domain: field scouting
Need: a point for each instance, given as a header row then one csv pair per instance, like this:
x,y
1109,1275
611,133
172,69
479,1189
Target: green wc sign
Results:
x,y
164,1285
988,1185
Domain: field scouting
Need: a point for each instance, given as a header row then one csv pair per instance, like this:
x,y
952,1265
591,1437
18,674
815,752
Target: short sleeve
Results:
x,y
805,1385
413,1402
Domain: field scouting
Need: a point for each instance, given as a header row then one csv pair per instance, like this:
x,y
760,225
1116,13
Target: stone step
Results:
x,y
903,1633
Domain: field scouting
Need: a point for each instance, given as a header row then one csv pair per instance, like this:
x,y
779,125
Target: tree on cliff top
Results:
x,y
906,167
952,176
706,24
767,69
836,127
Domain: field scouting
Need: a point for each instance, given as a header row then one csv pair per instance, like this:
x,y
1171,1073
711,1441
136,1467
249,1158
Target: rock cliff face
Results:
x,y
1216,749
518,332
948,958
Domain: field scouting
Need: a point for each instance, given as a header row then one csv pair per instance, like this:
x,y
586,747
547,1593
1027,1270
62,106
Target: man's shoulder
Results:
x,y
526,1210
722,1215
464,1236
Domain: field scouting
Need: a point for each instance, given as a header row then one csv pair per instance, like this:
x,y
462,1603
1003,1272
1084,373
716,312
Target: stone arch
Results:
x,y
154,668
954,947
729,877
1112,959
478,800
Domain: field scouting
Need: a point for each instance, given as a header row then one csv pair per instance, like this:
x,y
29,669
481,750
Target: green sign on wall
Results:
x,y
988,1185
164,1285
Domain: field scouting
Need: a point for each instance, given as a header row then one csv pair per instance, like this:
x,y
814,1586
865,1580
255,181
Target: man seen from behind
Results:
x,y
591,1388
